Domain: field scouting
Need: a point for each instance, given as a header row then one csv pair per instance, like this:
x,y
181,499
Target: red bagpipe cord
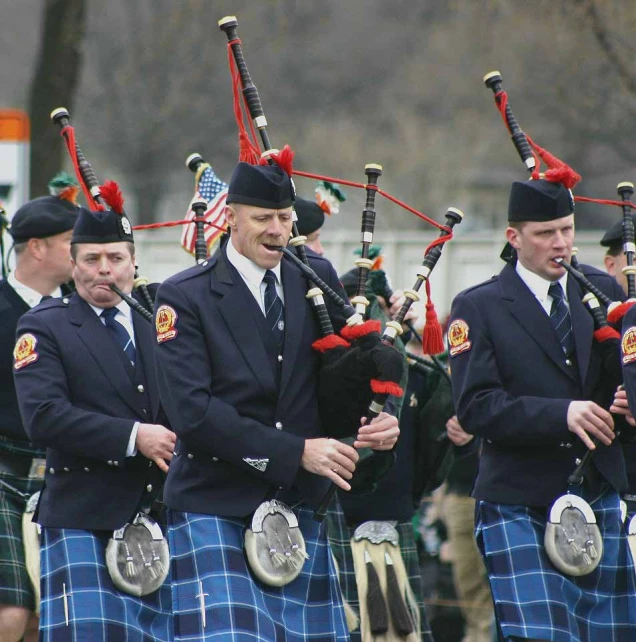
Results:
x,y
68,134
605,334
616,313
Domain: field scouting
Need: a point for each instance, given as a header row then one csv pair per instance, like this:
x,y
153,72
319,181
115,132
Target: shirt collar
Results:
x,y
538,285
122,307
251,272
30,296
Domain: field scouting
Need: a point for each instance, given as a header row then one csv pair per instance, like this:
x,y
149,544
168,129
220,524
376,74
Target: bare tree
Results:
x,y
54,84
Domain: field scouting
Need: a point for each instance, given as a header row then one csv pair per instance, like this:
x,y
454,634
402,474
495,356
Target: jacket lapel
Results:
x,y
144,340
295,289
582,327
525,308
107,354
239,309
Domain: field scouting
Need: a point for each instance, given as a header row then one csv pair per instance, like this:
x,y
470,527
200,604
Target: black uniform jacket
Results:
x,y
241,411
12,307
512,385
80,397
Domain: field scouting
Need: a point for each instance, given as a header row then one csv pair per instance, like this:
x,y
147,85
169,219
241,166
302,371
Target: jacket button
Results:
x,y
577,461
568,445
52,471
568,362
115,463
140,388
215,459
110,462
87,469
279,425
149,488
67,470
65,301
145,411
280,358
190,456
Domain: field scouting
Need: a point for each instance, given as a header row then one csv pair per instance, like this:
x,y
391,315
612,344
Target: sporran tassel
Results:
x,y
399,614
376,606
131,571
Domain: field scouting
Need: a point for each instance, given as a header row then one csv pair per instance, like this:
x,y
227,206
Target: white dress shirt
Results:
x,y
28,295
539,286
253,275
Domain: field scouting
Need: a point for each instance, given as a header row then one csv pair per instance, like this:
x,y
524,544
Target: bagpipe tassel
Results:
x,y
432,337
400,617
376,606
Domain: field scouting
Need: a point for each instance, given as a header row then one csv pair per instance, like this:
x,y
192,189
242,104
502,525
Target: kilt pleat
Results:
x,y
208,564
73,562
534,600
15,585
340,541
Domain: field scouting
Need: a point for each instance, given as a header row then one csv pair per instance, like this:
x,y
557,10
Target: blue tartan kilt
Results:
x,y
207,557
73,561
534,600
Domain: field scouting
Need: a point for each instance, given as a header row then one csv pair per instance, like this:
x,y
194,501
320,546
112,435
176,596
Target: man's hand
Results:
x,y
396,301
157,443
456,433
620,406
380,434
330,458
586,418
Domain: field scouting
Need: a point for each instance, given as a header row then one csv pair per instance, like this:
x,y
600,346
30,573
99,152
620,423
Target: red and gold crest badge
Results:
x,y
24,352
628,345
165,323
458,337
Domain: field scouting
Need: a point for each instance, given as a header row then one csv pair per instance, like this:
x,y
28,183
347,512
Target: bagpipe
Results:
x,y
572,538
137,556
101,197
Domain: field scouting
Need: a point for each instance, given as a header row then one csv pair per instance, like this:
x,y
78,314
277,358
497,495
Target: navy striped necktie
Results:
x,y
274,308
560,318
120,334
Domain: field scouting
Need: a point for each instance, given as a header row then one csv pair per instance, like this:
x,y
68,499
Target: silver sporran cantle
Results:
x,y
274,545
573,540
137,556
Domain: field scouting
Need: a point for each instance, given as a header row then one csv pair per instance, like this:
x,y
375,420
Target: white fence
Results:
x,y
465,261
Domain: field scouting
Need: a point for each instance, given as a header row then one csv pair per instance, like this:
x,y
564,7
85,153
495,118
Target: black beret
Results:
x,y
614,236
310,216
102,227
539,200
266,186
43,217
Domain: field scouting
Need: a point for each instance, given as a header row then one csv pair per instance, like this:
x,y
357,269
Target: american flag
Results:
x,y
213,190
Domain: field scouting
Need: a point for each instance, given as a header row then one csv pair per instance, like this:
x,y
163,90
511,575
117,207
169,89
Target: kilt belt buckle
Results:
x,y
573,540
274,545
137,556
38,468
382,580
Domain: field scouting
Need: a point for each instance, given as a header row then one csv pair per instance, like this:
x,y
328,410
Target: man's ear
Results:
x,y
230,217
512,236
36,247
610,264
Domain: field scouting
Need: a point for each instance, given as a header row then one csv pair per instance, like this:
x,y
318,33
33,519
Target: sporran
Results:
x,y
137,556
274,545
573,540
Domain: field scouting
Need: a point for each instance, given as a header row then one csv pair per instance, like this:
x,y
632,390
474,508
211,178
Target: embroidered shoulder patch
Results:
x,y
259,464
458,337
165,323
24,352
628,345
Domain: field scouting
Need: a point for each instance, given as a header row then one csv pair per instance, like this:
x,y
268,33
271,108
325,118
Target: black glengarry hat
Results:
x,y
43,217
267,186
614,236
310,216
109,226
539,200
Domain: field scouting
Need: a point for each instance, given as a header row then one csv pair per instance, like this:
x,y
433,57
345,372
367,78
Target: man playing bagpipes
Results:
x,y
41,232
85,375
238,377
525,369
